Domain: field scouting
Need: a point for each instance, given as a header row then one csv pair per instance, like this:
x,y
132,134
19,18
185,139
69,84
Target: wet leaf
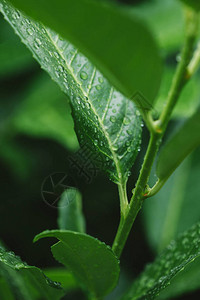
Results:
x,y
158,275
27,282
106,122
119,45
92,262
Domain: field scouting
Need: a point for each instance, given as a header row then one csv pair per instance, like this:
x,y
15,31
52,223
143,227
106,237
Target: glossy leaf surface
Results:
x,y
119,45
174,209
174,259
92,262
183,142
70,215
27,282
105,121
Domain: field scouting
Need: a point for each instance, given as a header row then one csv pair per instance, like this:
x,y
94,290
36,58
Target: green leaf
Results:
x,y
183,142
70,215
27,282
193,3
158,275
44,113
67,280
119,45
174,209
112,125
91,261
178,286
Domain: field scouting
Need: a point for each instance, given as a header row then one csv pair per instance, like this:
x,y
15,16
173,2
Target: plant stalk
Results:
x,y
157,131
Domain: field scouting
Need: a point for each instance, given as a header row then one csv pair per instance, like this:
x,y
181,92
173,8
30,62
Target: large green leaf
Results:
x,y
119,45
183,142
174,259
105,120
70,215
27,282
174,209
91,261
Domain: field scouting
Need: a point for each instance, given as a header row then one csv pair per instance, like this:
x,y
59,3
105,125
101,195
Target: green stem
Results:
x,y
181,75
157,130
123,198
133,208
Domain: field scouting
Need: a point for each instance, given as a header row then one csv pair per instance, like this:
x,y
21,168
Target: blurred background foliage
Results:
x,y
37,138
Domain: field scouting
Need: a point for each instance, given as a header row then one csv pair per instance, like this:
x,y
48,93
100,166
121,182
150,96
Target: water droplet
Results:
x,y
61,68
137,113
56,54
16,15
114,111
100,79
36,46
178,57
57,74
38,41
84,75
129,149
113,119
98,87
126,121
87,105
30,31
95,142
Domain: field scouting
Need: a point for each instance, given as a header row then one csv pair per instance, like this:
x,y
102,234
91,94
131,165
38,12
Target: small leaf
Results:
x,y
91,261
193,3
179,146
158,275
70,216
119,45
26,281
107,123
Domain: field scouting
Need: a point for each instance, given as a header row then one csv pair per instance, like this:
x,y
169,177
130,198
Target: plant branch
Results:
x,y
157,130
181,76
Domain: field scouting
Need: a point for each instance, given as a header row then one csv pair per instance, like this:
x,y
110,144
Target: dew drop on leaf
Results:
x,y
84,75
113,119
126,121
30,31
98,87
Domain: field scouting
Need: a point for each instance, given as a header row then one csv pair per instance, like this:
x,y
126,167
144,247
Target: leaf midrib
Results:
x,y
92,107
